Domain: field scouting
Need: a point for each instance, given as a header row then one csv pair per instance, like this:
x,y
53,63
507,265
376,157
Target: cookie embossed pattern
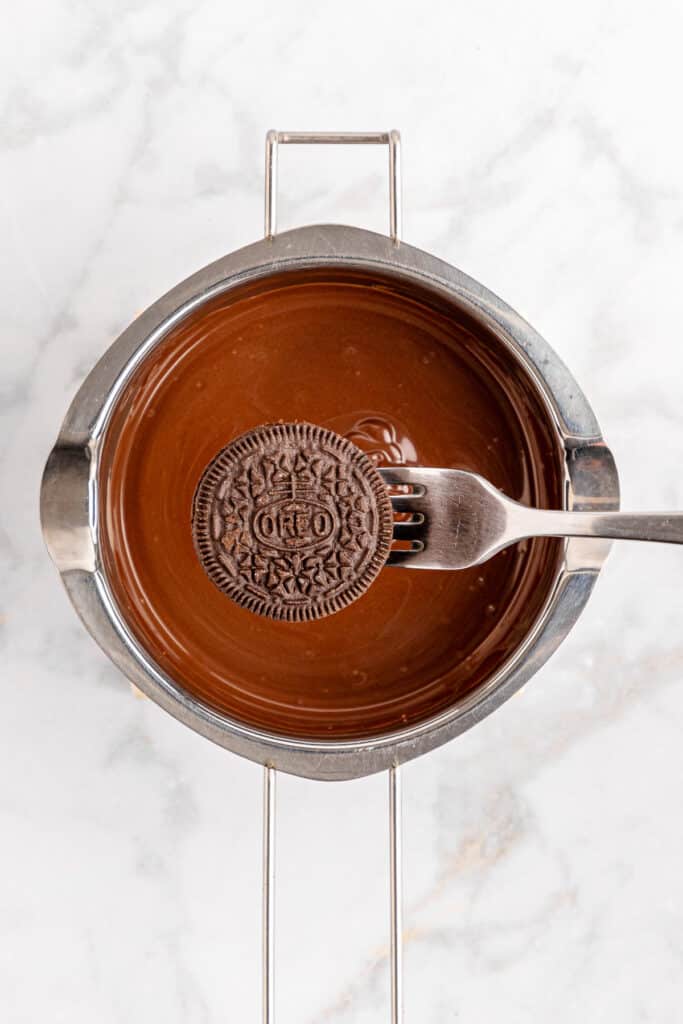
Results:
x,y
292,521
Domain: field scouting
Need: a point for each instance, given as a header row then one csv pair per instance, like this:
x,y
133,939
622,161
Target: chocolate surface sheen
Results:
x,y
292,521
407,377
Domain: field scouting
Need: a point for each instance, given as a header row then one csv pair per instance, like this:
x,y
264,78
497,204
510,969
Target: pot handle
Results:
x,y
392,139
395,895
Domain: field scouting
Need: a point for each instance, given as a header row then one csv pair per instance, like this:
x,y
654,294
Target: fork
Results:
x,y
459,519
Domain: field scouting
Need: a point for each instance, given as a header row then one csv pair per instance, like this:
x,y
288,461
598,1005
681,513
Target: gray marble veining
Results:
x,y
542,849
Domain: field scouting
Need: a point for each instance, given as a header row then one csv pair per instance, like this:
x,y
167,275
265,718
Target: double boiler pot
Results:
x,y
414,362
355,329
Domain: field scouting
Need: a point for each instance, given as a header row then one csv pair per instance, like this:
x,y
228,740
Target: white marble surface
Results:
x,y
543,155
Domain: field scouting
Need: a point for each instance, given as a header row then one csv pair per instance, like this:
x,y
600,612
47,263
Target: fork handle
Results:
x,y
664,527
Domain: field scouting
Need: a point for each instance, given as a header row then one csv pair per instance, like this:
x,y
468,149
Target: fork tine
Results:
x,y
402,557
409,531
409,502
400,476
411,493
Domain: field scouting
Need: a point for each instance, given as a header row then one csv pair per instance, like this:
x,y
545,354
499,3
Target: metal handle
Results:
x,y
392,139
663,527
268,926
395,895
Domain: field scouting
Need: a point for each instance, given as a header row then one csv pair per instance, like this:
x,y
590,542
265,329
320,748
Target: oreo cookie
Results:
x,y
292,521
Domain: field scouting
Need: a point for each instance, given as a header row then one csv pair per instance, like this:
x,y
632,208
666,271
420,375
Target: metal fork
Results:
x,y
459,519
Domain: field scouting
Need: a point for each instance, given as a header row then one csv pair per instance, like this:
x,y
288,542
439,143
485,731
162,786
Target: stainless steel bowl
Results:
x,y
70,488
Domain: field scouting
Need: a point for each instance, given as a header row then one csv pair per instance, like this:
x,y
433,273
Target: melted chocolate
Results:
x,y
406,378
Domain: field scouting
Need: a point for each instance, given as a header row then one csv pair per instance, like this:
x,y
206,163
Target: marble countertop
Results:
x,y
543,155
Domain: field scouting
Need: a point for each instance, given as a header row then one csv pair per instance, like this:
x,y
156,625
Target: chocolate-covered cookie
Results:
x,y
292,521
